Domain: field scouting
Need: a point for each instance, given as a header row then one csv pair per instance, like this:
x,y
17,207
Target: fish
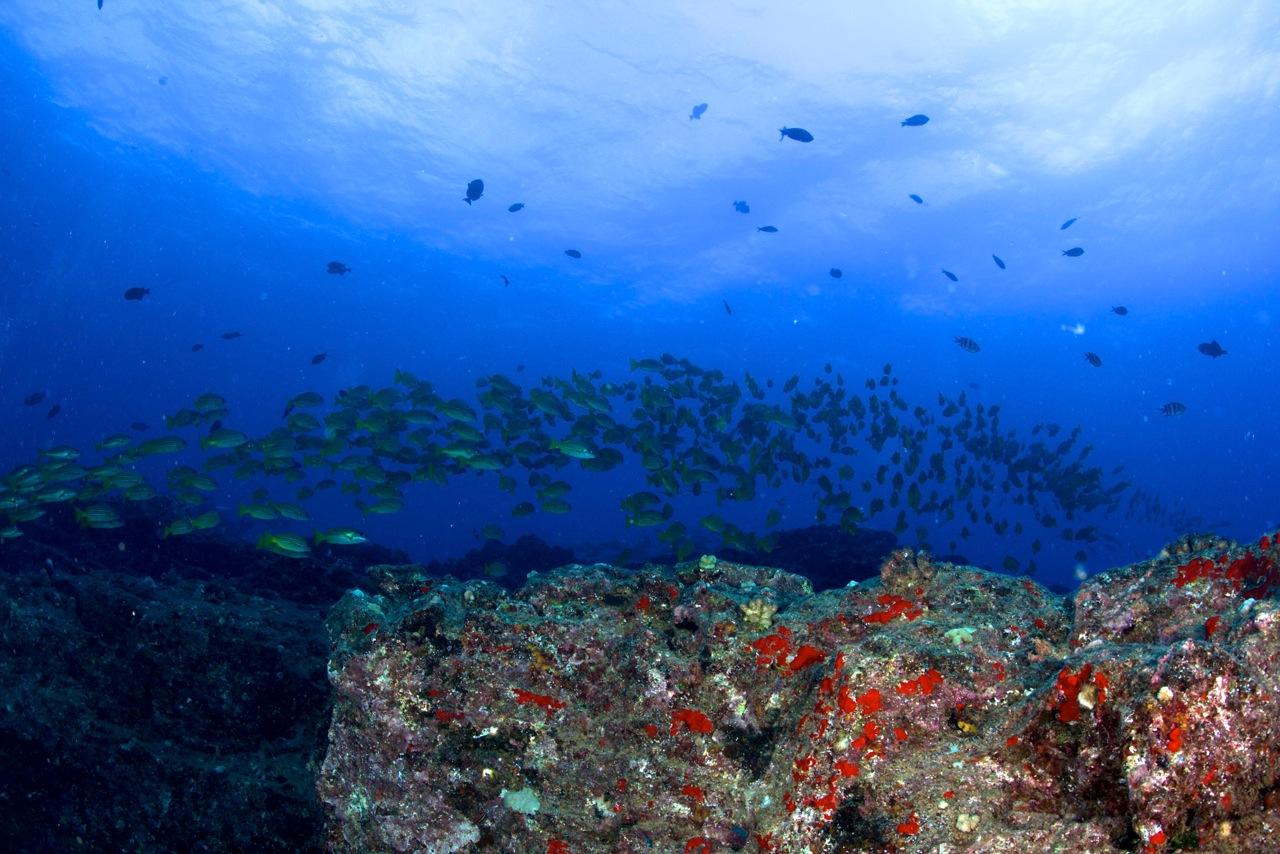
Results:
x,y
99,5
337,268
573,253
475,189
34,398
136,294
727,310
1073,252
913,197
318,358
518,206
742,207
1120,310
1173,407
999,261
967,344
950,275
836,272
231,336
698,110
1212,349
284,544
798,134
340,537
768,229
1067,224
506,283
915,121
197,347
53,412
139,426
99,516
1093,359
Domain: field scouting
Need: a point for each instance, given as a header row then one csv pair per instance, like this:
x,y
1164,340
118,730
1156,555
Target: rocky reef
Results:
x,y
714,706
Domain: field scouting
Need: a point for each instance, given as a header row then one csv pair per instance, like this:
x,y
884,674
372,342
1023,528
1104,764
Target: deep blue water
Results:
x,y
227,187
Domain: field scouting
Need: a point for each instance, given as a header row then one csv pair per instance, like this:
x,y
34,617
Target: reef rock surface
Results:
x,y
714,707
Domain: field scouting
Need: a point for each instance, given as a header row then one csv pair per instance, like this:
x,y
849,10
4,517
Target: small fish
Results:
x,y
34,398
99,5
1120,310
136,294
999,261
742,207
1173,408
285,545
727,310
798,134
913,197
836,272
950,275
318,358
337,268
1067,224
340,537
768,229
915,121
197,347
1073,252
1212,349
573,253
475,189
518,206
698,110
1093,359
505,281
231,336
967,344
57,407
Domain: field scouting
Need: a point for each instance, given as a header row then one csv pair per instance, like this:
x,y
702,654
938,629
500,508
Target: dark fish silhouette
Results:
x,y
1173,408
798,134
135,294
34,398
950,275
99,5
915,121
139,426
967,344
196,348
727,310
1073,252
1120,310
1212,348
698,110
1067,224
573,253
475,189
742,207
518,206
998,260
337,268
1093,359
505,281
230,336
836,272
913,197
53,412
318,358
768,229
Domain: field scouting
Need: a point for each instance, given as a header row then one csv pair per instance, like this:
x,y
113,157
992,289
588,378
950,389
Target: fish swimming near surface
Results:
x,y
573,253
967,344
34,398
1067,224
475,189
1212,348
99,5
836,272
197,347
505,281
1120,310
950,275
518,206
231,336
1093,359
698,110
768,229
999,261
798,134
1073,252
337,268
915,121
318,358
53,412
136,294
1173,408
742,207
913,197
727,310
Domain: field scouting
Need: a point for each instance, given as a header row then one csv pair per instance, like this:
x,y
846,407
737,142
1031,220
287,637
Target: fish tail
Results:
x,y
468,201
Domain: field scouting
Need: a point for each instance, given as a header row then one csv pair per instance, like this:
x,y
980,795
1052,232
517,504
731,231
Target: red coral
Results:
x,y
693,719
550,704
807,656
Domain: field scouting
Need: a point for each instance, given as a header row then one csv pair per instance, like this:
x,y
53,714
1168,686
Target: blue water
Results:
x,y
221,156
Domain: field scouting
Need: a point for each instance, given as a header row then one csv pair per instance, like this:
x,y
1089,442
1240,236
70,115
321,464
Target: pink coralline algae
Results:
x,y
944,708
